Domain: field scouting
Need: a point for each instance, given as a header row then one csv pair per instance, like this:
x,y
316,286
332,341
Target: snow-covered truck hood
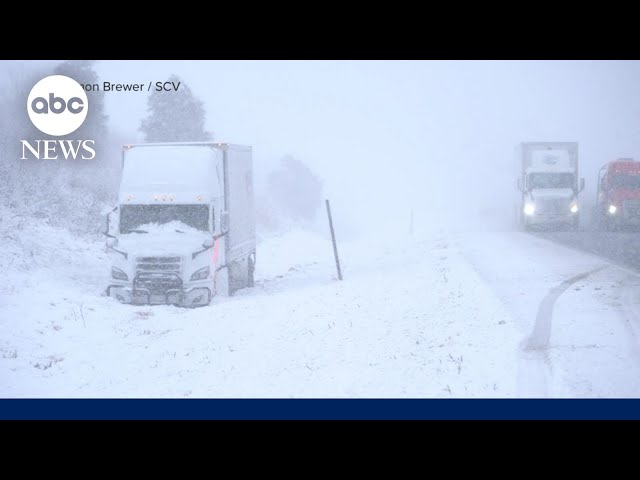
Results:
x,y
163,240
177,244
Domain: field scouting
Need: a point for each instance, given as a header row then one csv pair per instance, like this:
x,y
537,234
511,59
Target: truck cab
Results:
x,y
184,227
549,185
618,197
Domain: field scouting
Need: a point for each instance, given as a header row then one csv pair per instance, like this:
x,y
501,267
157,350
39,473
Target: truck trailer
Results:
x,y
184,227
548,184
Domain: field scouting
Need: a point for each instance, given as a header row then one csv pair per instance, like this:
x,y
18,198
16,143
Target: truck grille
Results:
x,y
157,283
552,206
631,208
159,264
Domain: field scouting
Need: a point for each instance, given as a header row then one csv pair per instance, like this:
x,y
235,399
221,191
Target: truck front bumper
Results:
x,y
161,290
622,221
549,219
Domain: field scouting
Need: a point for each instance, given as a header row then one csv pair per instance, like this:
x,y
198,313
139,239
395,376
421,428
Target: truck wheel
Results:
x,y
605,223
251,268
575,224
222,282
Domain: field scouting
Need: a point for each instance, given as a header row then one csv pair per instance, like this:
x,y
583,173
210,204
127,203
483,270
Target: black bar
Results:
x,y
333,239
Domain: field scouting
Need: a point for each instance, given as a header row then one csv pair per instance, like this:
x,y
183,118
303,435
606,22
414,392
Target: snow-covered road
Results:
x,y
578,314
447,315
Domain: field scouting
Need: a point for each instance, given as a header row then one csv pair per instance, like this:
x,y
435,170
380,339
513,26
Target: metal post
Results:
x,y
333,239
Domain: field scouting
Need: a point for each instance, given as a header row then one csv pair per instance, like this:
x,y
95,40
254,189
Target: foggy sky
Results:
x,y
387,136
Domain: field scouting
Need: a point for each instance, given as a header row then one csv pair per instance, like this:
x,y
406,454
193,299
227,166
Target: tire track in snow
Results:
x,y
541,333
534,364
623,256
629,316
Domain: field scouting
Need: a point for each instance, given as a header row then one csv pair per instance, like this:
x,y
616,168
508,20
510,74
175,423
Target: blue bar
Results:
x,y
320,409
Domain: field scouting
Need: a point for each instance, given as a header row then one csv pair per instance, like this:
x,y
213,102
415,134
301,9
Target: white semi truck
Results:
x,y
548,183
184,227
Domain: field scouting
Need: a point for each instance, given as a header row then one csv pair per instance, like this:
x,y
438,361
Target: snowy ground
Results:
x,y
452,315
578,314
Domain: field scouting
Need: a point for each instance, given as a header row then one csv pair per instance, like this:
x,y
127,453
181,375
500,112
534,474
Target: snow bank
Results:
x,y
411,319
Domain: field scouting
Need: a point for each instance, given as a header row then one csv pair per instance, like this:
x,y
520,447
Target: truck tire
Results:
x,y
609,224
575,224
222,282
599,222
604,223
251,269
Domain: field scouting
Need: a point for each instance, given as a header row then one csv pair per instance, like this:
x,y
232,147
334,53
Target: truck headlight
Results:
x,y
574,208
200,274
613,209
529,208
118,274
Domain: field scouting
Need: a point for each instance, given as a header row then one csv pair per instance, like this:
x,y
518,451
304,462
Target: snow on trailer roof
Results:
x,y
171,169
623,161
625,165
619,161
549,144
219,145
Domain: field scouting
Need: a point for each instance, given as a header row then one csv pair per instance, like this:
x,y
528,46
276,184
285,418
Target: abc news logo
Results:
x,y
57,106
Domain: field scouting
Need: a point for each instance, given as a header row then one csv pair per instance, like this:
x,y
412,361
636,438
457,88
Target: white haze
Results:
x,y
389,135
462,313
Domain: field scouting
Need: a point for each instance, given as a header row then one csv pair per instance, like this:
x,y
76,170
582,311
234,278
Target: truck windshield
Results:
x,y
626,181
133,216
551,180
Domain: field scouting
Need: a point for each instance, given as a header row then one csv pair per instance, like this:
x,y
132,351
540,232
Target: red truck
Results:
x,y
618,202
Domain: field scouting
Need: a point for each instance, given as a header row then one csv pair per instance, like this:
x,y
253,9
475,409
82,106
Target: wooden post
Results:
x,y
333,239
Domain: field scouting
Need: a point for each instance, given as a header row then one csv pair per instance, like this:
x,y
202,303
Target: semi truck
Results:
x,y
548,184
184,227
618,197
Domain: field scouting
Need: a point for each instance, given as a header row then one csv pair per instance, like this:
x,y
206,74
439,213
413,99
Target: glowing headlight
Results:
x,y
529,208
118,274
574,208
201,274
613,209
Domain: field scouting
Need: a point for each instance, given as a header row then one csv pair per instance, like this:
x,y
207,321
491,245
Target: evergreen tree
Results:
x,y
295,189
95,125
176,116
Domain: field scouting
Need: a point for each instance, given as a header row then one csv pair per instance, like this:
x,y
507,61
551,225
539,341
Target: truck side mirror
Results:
x,y
224,222
581,184
111,222
208,242
105,225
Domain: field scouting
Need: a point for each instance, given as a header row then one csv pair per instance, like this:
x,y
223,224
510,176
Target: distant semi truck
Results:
x,y
184,227
618,198
549,185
